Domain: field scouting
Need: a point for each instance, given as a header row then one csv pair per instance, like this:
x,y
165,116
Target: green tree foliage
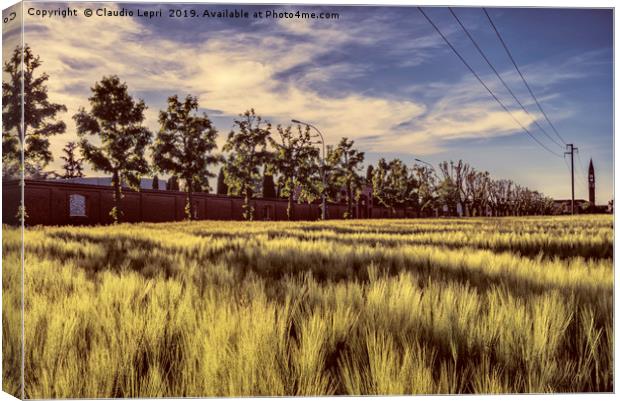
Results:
x,y
222,188
344,166
247,147
296,160
39,113
500,192
155,182
523,201
172,184
369,173
393,186
116,120
477,191
184,145
332,187
427,187
202,185
448,189
269,186
73,164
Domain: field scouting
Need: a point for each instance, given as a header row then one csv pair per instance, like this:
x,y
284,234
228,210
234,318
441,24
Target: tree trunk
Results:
x,y
248,212
189,205
289,208
349,201
117,212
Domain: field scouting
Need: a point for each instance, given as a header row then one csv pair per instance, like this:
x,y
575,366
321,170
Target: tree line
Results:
x,y
257,159
458,185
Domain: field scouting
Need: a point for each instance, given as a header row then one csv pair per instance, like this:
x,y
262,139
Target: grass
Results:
x,y
507,305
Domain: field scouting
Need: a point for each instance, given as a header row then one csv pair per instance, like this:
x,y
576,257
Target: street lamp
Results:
x,y
430,165
433,171
422,161
323,197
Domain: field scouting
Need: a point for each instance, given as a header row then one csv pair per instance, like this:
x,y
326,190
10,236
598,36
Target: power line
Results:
x,y
485,86
566,163
584,175
522,77
500,77
580,164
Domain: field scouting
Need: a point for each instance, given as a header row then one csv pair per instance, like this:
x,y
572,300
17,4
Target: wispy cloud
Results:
x,y
464,109
231,72
285,70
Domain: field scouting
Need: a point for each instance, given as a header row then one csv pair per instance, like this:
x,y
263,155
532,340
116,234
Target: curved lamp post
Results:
x,y
430,165
323,197
427,163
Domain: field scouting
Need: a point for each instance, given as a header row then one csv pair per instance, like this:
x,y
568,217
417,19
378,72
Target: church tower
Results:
x,y
591,183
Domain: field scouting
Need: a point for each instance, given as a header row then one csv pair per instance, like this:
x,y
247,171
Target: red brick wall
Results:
x,y
47,203
10,202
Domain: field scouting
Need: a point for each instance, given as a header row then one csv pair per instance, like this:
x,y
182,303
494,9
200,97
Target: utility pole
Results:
x,y
571,152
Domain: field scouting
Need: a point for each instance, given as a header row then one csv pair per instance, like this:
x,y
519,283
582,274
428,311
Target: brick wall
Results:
x,y
48,203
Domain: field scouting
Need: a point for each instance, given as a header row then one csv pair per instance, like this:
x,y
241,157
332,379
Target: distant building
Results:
x,y
594,208
562,206
591,188
145,183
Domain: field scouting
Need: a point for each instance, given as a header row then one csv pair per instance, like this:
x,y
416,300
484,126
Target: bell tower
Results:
x,y
591,183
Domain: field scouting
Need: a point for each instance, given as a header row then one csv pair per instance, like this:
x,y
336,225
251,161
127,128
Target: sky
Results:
x,y
381,76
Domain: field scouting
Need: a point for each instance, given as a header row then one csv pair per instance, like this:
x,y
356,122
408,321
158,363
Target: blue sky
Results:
x,y
379,75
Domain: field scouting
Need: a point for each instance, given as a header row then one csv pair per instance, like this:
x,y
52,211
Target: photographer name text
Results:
x,y
149,13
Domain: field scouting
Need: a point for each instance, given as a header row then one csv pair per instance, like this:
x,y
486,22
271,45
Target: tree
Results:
x,y
36,172
269,186
461,170
547,205
519,200
476,185
332,187
247,147
369,173
202,185
499,194
39,113
222,188
393,186
72,165
155,182
116,119
172,184
183,146
427,187
296,160
344,165
451,189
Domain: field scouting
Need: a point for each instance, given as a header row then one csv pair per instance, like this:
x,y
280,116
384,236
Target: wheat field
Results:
x,y
478,305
